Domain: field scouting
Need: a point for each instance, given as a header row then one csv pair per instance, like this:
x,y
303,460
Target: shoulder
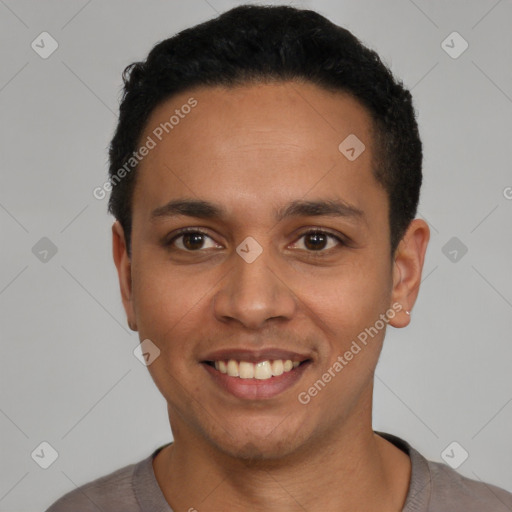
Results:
x,y
112,492
436,487
452,488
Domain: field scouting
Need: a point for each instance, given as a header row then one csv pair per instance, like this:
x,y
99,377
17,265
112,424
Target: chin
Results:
x,y
252,446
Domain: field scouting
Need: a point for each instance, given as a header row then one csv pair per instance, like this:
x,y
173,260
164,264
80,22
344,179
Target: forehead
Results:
x,y
275,141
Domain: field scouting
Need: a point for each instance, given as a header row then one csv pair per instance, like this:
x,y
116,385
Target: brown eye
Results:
x,y
318,241
315,241
191,240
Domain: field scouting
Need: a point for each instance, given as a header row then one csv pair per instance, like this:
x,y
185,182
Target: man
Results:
x,y
265,176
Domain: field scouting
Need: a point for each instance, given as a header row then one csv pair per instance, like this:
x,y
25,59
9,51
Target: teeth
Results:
x,y
277,367
262,370
233,368
246,370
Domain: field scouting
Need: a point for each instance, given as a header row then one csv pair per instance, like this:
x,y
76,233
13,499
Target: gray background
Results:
x,y
68,374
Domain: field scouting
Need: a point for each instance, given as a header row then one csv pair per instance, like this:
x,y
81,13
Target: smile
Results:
x,y
262,370
255,381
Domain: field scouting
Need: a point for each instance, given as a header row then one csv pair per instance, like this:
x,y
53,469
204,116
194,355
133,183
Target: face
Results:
x,y
286,258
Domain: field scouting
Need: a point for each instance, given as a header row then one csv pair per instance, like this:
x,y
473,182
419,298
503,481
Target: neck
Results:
x,y
353,469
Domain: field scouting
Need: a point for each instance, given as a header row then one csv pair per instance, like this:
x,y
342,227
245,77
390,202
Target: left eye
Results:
x,y
316,240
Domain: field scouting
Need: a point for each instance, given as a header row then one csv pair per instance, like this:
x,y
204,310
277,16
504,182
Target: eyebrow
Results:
x,y
299,208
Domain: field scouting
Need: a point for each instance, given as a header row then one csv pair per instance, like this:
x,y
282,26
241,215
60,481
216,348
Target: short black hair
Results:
x,y
250,44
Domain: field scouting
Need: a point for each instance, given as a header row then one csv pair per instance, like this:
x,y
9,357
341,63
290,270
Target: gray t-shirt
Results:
x,y
434,487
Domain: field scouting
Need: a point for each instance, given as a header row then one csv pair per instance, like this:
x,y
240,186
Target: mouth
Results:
x,y
261,379
262,370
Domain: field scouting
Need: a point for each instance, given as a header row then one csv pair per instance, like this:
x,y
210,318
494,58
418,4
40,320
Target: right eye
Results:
x,y
189,240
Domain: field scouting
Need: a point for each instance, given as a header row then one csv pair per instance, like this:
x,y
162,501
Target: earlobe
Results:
x,y
407,269
124,271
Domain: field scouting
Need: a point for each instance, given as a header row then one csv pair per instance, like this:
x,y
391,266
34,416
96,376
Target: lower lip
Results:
x,y
256,389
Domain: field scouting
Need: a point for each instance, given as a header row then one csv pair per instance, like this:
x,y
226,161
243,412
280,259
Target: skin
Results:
x,y
252,149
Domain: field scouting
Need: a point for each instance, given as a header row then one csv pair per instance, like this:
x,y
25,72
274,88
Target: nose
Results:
x,y
253,293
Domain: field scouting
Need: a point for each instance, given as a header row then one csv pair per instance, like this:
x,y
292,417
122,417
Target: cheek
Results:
x,y
345,305
348,294
166,303
168,311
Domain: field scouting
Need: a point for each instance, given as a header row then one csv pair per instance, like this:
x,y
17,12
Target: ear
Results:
x,y
408,265
123,265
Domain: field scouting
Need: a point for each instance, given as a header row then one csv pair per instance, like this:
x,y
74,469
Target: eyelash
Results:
x,y
314,231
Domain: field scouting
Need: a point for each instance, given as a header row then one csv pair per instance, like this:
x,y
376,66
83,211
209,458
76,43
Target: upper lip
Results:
x,y
254,356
